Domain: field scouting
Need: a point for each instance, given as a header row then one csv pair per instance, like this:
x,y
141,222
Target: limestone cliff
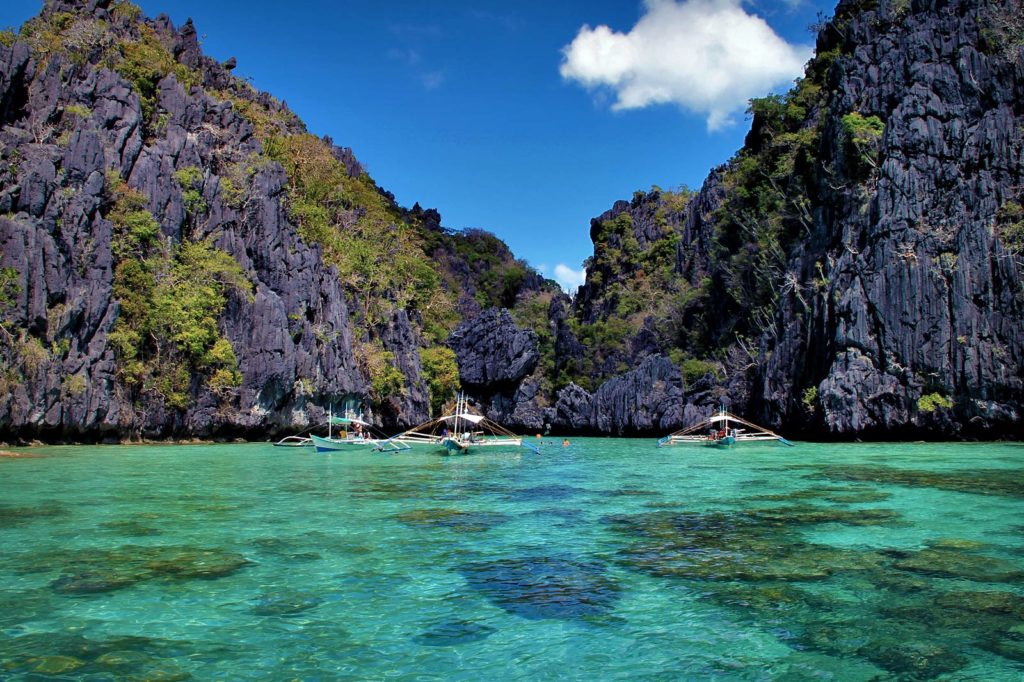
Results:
x,y
122,147
178,257
855,270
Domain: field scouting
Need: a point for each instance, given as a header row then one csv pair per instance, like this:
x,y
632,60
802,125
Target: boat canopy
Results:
x,y
348,420
471,418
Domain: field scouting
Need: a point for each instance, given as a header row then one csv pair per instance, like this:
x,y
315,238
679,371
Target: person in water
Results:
x,y
565,442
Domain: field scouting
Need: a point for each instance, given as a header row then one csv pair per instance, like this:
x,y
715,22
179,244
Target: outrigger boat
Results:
x,y
460,432
722,430
354,432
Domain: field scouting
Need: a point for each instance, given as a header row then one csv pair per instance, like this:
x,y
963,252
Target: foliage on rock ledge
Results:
x,y
170,297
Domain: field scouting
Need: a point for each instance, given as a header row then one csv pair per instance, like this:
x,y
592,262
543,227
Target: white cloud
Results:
x,y
429,79
569,279
407,55
432,80
707,56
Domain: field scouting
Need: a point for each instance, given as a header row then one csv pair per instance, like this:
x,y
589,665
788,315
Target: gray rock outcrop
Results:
x,y
492,351
293,340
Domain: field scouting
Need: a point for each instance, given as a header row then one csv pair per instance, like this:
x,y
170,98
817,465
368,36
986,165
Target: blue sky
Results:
x,y
523,118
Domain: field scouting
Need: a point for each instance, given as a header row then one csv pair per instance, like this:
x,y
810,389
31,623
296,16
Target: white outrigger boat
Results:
x,y
460,432
353,432
722,429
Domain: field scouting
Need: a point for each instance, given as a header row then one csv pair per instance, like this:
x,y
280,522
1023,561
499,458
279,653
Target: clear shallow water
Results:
x,y
608,559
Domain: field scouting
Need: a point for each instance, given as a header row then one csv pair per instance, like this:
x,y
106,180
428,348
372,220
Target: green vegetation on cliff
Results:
x,y
769,192
170,299
632,286
441,371
378,256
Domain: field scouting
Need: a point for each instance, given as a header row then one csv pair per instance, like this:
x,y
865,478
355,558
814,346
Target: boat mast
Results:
x,y
458,413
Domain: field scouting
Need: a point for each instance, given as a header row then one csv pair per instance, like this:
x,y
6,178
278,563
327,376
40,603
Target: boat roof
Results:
x,y
348,420
472,418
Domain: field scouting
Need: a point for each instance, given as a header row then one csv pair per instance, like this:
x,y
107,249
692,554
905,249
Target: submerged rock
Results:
x,y
983,482
1012,649
750,545
541,493
996,602
10,516
89,572
131,528
465,521
915,660
55,665
92,582
60,655
455,632
205,564
285,604
951,564
545,587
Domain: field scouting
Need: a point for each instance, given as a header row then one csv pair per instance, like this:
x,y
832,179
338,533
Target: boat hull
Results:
x,y
451,446
459,446
339,445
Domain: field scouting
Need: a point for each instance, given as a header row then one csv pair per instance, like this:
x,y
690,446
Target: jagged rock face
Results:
x,y
901,287
410,406
648,399
922,297
294,332
493,352
574,409
520,409
693,252
567,346
496,359
651,220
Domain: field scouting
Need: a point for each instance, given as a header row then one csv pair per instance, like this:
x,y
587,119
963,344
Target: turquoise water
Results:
x,y
609,559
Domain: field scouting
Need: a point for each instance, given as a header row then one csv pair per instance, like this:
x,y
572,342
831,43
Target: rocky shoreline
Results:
x,y
883,299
